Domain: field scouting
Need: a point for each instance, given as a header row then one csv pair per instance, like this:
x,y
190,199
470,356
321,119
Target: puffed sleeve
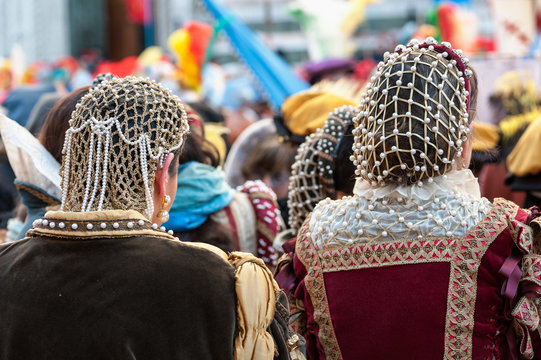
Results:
x,y
256,298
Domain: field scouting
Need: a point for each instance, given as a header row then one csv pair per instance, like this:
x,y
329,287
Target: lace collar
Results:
x,y
449,206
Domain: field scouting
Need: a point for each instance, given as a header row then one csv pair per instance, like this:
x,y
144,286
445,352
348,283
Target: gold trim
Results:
x,y
463,253
306,251
118,223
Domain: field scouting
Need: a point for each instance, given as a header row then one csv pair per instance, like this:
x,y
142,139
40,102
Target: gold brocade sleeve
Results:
x,y
256,289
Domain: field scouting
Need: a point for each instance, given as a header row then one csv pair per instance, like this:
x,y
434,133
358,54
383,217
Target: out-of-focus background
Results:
x,y
236,61
52,40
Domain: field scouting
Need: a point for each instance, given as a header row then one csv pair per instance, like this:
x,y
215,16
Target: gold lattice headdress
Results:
x,y
119,133
312,174
414,117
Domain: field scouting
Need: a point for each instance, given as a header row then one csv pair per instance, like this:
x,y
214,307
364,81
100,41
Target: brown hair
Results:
x,y
211,232
418,141
197,148
269,156
54,128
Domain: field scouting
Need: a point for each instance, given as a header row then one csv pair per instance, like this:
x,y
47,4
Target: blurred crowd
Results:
x,y
371,214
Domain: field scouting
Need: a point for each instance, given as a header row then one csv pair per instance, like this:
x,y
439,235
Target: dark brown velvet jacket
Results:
x,y
138,297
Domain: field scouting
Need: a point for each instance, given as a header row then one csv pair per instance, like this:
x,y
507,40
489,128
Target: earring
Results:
x,y
163,214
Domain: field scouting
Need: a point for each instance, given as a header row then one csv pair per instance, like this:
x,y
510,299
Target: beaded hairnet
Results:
x,y
311,177
119,133
413,119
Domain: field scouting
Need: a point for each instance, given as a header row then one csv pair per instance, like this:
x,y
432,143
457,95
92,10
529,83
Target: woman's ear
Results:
x,y
160,181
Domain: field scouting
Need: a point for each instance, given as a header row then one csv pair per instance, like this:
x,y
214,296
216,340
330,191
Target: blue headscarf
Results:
x,y
201,191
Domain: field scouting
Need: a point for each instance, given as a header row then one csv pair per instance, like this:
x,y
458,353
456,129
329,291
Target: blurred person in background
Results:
x,y
322,169
271,156
506,148
207,209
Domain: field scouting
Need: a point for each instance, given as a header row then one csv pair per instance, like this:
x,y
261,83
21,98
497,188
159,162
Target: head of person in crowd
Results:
x,y
322,167
514,93
121,149
208,210
301,115
213,126
51,135
414,122
270,161
515,104
202,191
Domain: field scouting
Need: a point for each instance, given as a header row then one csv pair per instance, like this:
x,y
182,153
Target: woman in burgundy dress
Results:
x,y
416,264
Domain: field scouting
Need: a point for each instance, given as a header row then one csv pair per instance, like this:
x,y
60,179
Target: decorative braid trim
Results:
x,y
463,253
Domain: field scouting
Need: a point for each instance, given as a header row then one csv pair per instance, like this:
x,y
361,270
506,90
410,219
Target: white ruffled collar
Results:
x,y
459,182
449,206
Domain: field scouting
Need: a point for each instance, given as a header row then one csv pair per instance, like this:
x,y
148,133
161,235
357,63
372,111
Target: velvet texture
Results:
x,y
398,312
124,298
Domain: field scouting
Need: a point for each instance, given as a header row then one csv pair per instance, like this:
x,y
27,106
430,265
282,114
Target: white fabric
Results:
x,y
449,206
31,162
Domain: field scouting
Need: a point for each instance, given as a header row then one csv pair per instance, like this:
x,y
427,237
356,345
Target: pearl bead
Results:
x,y
74,226
103,225
89,226
116,225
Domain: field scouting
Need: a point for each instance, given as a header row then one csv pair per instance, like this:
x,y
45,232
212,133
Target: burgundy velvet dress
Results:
x,y
468,297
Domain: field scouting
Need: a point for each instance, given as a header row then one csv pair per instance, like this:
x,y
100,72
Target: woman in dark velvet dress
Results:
x,y
416,264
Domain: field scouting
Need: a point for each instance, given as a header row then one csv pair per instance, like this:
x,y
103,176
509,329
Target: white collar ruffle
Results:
x,y
449,206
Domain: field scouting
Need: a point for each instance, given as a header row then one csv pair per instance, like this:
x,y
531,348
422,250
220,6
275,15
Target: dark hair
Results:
x,y
54,128
211,232
269,156
197,148
427,143
343,168
173,167
207,113
474,91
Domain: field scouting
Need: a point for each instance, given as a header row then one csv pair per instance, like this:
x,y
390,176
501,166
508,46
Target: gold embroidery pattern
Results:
x,y
463,280
522,234
526,311
531,269
307,253
527,317
463,253
396,252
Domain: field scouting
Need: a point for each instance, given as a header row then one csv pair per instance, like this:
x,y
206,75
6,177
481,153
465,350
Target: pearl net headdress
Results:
x,y
311,177
413,118
119,133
